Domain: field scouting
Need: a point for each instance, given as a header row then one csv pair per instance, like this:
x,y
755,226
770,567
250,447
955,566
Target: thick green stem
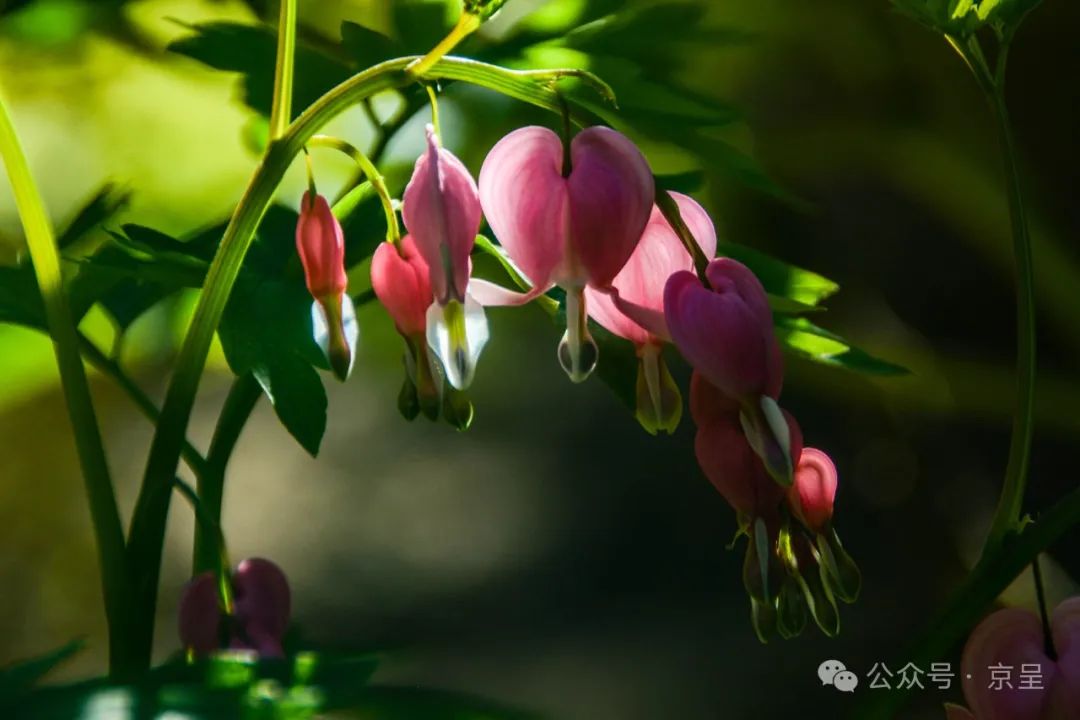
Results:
x,y
241,401
108,530
281,107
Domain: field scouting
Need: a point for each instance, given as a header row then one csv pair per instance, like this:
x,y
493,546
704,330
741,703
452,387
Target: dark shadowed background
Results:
x,y
556,557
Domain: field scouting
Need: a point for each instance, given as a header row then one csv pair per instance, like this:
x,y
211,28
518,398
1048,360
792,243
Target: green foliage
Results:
x,y
804,339
963,18
233,685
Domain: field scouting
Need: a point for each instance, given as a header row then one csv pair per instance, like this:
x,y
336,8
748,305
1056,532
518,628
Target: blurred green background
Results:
x,y
555,557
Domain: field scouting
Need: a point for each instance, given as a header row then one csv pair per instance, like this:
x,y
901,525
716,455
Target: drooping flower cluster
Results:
x,y
1013,640
580,215
260,613
752,451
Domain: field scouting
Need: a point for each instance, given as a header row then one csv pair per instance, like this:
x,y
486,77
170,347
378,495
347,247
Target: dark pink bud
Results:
x,y
399,276
726,331
262,600
441,210
812,494
321,245
726,457
199,615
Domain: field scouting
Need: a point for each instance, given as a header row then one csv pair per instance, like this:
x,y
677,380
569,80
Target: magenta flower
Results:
x,y
321,245
441,210
1014,638
726,457
567,218
725,332
261,610
812,494
633,307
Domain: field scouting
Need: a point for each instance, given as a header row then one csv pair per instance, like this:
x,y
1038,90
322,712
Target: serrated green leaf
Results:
x,y
801,337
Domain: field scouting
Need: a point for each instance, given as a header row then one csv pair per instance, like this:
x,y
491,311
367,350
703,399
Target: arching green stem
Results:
x,y
371,173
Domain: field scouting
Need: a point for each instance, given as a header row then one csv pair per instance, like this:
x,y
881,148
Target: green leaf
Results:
x,y
780,278
266,330
103,206
22,676
251,50
366,46
801,337
685,182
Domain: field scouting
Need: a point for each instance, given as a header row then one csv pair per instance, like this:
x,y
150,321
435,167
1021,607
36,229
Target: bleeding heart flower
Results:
x,y
1014,638
441,210
727,458
567,216
321,245
812,494
725,331
261,610
640,285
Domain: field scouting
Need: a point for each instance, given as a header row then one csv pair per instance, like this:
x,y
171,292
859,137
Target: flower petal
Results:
x,y
262,598
399,277
611,198
812,495
457,334
441,210
719,335
321,245
524,197
199,616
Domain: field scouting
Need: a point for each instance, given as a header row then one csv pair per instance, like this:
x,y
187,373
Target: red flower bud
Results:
x,y
321,245
399,276
812,494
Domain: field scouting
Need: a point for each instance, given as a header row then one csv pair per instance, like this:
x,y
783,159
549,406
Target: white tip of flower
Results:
x,y
457,334
337,336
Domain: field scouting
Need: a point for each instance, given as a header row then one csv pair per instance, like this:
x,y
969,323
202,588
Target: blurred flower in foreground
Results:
x,y
1012,641
441,210
639,289
260,617
566,216
321,245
